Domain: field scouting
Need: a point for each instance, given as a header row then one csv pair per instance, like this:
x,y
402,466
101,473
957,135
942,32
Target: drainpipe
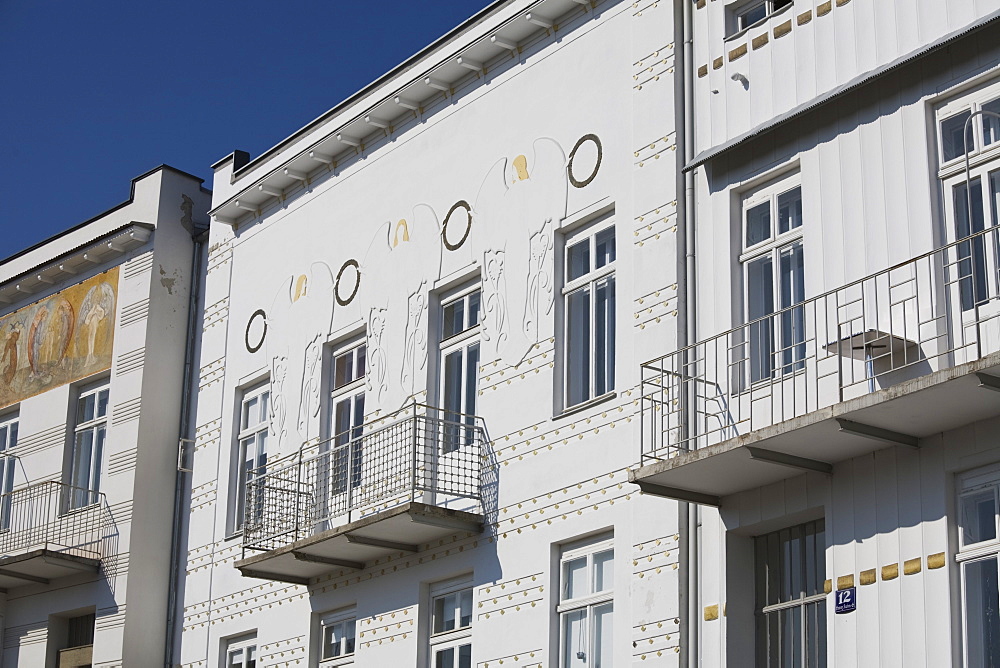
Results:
x,y
184,433
688,514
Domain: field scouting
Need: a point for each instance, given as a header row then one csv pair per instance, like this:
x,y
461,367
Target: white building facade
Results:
x,y
419,385
94,328
832,416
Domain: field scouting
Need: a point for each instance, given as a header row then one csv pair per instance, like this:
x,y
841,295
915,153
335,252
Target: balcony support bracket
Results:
x,y
330,561
22,576
679,494
278,577
377,542
791,461
877,433
988,382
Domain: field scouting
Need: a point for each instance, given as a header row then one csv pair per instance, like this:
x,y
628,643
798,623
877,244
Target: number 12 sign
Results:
x,y
845,600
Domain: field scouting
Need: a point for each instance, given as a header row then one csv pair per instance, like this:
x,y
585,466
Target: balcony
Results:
x,y
49,530
887,360
387,487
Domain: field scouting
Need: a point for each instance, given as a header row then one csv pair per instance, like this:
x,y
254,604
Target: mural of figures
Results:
x,y
298,322
517,268
409,257
58,340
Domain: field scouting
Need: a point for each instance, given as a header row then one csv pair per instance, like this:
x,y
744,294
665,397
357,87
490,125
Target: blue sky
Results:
x,y
95,93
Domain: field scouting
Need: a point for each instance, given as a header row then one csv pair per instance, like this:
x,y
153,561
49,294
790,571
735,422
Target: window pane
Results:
x,y
12,439
95,478
454,318
465,656
444,613
331,646
603,636
342,372
793,334
3,437
474,309
471,379
251,657
952,145
972,253
82,452
102,403
236,658
578,347
574,639
453,389
979,513
342,420
575,579
445,658
606,250
85,413
789,210
604,337
991,124
982,613
262,416
349,630
752,15
578,260
758,224
604,571
760,303
465,608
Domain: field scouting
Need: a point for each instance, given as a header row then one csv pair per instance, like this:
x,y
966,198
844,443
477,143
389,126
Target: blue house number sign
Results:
x,y
845,600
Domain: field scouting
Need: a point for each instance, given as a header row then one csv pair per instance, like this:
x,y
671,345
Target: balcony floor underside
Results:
x,y
899,415
41,566
400,529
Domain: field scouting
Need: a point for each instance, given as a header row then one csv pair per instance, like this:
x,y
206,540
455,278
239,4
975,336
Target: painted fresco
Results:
x,y
60,339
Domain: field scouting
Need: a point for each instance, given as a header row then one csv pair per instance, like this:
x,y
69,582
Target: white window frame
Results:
x,y
974,483
343,617
9,423
971,102
589,280
241,473
245,644
458,636
353,391
588,549
80,496
774,246
462,342
739,10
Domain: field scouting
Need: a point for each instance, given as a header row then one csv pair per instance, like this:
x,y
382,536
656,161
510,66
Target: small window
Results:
x,y
87,454
978,116
347,416
451,624
241,652
251,463
790,567
8,441
589,309
751,13
979,559
337,635
586,604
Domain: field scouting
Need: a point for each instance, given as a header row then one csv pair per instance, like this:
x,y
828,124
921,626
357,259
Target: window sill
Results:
x,y
589,403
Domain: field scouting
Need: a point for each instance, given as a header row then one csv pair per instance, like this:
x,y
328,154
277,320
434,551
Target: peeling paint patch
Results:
x,y
167,282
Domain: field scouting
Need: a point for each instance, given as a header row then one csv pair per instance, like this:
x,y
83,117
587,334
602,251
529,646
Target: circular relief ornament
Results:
x,y
357,283
252,348
460,204
577,183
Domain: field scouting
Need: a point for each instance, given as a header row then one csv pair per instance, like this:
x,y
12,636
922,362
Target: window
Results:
x,y
978,557
589,309
242,652
790,569
347,416
337,634
252,460
972,206
586,606
80,630
459,368
773,274
88,446
755,11
451,624
8,441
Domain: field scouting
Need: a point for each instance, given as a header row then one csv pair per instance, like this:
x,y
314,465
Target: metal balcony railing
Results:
x,y
419,453
929,313
53,516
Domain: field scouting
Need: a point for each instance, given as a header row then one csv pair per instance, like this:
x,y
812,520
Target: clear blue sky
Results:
x,y
95,93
